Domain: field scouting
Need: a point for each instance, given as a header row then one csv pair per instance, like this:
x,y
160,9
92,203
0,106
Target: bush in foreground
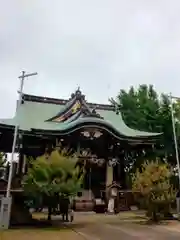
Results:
x,y
50,177
152,181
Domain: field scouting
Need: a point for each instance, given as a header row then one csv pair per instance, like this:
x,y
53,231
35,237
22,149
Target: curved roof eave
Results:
x,y
118,128
65,129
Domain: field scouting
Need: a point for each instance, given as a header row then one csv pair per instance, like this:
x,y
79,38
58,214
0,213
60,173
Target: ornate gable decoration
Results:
x,y
63,117
76,106
91,133
87,112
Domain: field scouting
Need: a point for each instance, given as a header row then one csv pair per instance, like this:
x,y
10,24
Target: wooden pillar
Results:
x,y
20,160
7,172
123,174
27,165
24,164
14,169
109,174
115,174
119,173
20,163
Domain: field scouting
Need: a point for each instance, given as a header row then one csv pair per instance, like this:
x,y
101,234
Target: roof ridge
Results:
x,y
61,101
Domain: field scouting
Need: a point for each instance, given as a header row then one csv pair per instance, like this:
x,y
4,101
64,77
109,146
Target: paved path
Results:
x,y
93,227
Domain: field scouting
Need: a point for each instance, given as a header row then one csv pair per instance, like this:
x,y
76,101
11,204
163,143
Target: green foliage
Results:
x,y
152,181
143,109
138,106
52,176
3,161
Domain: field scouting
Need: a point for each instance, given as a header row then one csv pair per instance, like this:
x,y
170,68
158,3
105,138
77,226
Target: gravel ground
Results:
x,y
93,226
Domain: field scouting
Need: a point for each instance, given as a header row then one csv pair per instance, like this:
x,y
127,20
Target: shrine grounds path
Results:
x,y
91,226
124,226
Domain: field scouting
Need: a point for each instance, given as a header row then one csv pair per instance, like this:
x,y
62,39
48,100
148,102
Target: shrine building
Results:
x,y
94,130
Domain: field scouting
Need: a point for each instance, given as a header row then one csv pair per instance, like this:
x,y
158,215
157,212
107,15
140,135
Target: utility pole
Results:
x,y
90,182
174,134
176,150
22,78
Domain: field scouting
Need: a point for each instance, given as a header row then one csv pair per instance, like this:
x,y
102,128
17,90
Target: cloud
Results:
x,y
100,45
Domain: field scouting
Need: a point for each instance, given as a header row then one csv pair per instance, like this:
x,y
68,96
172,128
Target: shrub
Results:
x,y
50,177
152,181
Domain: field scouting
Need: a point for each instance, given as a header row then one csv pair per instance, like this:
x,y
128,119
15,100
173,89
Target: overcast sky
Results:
x,y
99,45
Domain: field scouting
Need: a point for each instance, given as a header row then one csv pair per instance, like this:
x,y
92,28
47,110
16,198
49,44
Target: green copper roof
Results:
x,y
36,115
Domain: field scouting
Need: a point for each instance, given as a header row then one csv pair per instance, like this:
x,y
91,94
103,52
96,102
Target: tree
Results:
x,y
52,176
152,181
3,161
145,110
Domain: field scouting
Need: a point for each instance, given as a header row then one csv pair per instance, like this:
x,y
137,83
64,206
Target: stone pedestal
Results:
x,y
5,212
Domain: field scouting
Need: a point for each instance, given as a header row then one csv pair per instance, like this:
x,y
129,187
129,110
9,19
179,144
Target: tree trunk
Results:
x,y
154,216
49,213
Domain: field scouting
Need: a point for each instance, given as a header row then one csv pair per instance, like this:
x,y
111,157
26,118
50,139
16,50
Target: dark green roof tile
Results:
x,y
33,115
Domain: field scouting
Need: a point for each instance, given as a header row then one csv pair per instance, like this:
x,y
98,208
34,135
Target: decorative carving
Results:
x,y
95,114
85,111
97,134
113,162
92,133
76,107
97,161
78,94
91,113
72,96
86,155
86,134
78,104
